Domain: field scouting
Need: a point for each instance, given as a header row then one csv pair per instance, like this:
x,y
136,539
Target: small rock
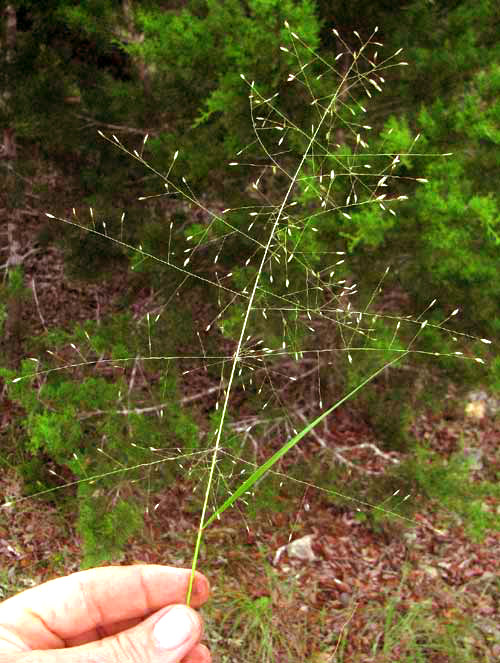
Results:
x,y
300,549
480,403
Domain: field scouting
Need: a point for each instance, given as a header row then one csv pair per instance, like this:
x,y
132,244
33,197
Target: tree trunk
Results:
x,y
8,150
14,331
133,36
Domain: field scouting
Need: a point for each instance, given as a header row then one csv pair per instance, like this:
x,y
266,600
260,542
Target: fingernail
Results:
x,y
174,628
201,587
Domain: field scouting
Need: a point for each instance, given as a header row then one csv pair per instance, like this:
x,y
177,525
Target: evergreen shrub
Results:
x,y
282,289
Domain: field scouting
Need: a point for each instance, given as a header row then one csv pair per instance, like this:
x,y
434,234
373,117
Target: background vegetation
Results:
x,y
164,78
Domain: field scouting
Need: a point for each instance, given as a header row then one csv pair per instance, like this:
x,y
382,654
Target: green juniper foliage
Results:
x,y
289,253
74,426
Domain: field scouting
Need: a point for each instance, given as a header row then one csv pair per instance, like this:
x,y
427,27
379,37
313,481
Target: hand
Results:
x,y
111,614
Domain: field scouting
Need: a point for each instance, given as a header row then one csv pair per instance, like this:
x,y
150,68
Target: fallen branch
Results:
x,y
92,122
338,451
42,320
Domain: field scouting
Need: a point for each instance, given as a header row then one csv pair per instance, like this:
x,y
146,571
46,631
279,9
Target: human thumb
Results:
x,y
165,637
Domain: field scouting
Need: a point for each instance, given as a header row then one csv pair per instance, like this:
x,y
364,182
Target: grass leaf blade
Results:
x,y
262,469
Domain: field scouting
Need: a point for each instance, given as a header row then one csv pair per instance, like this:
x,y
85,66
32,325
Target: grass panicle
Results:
x,y
284,298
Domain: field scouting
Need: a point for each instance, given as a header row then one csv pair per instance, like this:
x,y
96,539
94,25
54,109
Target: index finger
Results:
x,y
95,599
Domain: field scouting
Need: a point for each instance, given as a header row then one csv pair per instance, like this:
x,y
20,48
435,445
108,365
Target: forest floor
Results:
x,y
360,591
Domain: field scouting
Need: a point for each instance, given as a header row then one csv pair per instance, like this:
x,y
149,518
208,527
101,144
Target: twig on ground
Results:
x,y
338,451
42,320
92,122
374,448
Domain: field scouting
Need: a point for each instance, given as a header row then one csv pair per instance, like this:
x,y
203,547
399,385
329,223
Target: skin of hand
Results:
x,y
110,614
